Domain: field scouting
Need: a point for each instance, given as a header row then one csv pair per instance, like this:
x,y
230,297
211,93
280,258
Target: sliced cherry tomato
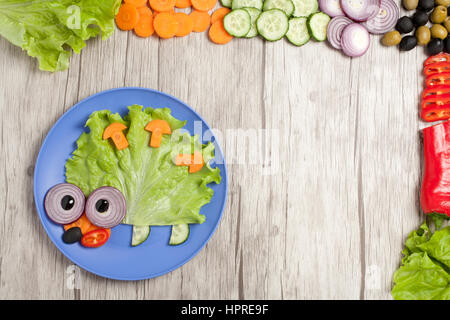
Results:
x,y
436,68
441,57
96,238
438,79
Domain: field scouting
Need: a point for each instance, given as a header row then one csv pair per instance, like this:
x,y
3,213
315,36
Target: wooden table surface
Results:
x,y
318,209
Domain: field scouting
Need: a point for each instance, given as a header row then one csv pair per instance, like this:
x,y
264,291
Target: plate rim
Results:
x,y
102,274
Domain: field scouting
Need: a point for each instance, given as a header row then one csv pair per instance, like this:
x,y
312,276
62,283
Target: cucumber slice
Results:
x,y
272,25
285,5
317,25
237,4
254,14
298,33
226,3
180,233
237,23
303,8
140,234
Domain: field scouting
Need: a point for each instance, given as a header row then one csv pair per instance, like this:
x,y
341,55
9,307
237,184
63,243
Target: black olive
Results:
x,y
426,5
404,25
72,235
435,46
408,43
102,205
447,44
67,202
420,18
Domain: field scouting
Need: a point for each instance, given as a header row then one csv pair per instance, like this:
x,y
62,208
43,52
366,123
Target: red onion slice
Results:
x,y
386,18
107,215
334,30
360,10
64,203
355,40
331,7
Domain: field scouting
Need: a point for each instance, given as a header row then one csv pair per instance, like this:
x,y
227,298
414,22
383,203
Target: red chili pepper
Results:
x,y
436,68
438,79
436,113
435,90
436,107
441,57
435,190
435,100
95,238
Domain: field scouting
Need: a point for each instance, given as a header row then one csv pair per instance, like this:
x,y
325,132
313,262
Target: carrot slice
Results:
x,y
218,34
144,12
197,162
185,24
204,5
162,5
194,161
183,4
114,131
84,224
144,28
165,24
202,20
219,14
127,17
136,3
183,160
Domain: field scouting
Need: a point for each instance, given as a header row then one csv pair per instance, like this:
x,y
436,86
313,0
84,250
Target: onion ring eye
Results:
x,y
106,207
64,203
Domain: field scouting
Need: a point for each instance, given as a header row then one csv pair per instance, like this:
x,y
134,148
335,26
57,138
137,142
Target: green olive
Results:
x,y
444,3
439,14
423,35
391,38
438,31
410,4
447,24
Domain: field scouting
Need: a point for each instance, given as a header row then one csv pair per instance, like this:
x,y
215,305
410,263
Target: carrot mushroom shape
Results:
x,y
157,128
114,131
193,161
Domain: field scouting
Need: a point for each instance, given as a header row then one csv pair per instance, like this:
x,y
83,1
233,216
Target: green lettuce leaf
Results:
x,y
47,28
425,270
157,191
420,278
438,247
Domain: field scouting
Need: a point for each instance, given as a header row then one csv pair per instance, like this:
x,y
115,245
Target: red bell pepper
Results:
x,y
435,190
436,68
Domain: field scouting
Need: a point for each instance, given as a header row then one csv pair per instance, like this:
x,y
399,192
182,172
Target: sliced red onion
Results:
x,y
334,30
64,203
360,10
106,207
331,7
355,40
386,18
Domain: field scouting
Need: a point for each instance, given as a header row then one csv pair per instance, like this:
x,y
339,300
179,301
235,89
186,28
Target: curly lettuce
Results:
x,y
425,270
47,29
157,191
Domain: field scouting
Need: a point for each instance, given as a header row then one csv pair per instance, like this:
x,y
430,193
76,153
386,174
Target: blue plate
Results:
x,y
117,259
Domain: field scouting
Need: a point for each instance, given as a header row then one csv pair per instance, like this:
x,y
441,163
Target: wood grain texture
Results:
x,y
324,219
